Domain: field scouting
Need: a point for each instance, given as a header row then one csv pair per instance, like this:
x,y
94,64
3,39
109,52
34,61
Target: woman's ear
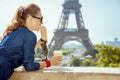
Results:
x,y
29,17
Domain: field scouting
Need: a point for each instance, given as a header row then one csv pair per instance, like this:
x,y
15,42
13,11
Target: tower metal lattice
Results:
x,y
63,33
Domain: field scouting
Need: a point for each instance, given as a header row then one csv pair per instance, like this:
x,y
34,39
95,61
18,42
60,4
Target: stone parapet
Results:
x,y
69,73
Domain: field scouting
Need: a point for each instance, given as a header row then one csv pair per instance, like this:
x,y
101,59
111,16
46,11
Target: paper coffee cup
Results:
x,y
57,53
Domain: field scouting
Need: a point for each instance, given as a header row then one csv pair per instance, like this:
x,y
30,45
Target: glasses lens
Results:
x,y
41,19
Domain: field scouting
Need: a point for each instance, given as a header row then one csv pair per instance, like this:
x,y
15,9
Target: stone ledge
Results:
x,y
69,73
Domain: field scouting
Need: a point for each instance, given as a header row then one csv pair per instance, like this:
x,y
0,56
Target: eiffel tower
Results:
x,y
63,34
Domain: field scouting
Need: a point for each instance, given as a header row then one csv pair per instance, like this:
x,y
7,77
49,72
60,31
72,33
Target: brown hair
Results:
x,y
20,17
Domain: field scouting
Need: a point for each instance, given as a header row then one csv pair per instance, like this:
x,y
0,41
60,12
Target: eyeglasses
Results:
x,y
40,18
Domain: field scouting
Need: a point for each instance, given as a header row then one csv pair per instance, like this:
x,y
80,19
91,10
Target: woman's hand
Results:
x,y
56,60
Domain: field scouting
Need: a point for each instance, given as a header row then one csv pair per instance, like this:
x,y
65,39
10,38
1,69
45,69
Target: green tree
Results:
x,y
38,53
88,62
108,56
75,61
67,51
91,52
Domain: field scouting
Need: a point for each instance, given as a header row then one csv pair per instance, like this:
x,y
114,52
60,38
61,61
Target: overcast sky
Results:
x,y
101,17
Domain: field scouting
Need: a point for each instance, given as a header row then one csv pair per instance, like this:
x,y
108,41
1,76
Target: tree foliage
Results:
x,y
67,51
75,61
108,56
88,62
38,53
91,52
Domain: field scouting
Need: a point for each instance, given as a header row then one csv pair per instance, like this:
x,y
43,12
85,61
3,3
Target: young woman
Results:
x,y
19,42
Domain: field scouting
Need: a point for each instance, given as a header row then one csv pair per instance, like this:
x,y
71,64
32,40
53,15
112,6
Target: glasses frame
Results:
x,y
40,18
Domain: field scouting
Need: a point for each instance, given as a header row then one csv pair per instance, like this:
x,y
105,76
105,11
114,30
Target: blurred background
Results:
x,y
101,18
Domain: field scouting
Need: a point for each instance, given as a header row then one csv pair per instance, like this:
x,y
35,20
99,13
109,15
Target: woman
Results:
x,y
19,43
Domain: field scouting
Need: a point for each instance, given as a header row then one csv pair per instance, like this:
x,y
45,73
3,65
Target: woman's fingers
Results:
x,y
56,60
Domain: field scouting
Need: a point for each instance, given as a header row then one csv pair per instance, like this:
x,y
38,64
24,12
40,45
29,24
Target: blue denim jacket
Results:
x,y
18,48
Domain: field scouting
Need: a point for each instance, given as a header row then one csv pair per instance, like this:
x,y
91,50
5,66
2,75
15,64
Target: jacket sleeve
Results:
x,y
28,48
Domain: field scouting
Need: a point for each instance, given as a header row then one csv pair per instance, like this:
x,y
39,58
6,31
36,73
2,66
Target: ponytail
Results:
x,y
19,19
17,22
